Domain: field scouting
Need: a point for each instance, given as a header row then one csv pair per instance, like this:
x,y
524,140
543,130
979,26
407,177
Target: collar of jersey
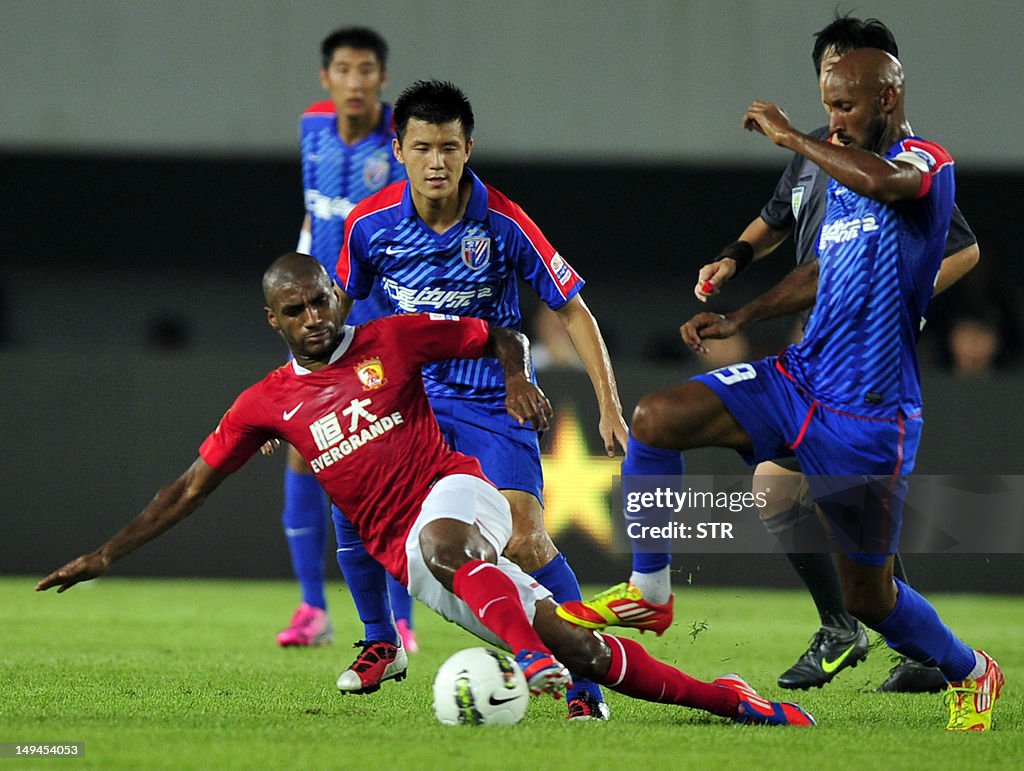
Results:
x,y
346,341
476,209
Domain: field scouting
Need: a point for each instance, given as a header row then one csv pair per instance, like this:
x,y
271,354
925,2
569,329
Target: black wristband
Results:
x,y
740,252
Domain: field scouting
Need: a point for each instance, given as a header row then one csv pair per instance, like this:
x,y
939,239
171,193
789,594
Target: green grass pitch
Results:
x,y
179,674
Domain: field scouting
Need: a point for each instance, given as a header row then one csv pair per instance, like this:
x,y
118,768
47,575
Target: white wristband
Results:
x,y
305,242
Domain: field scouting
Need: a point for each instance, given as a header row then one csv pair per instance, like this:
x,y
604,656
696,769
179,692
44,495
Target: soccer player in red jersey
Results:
x,y
353,404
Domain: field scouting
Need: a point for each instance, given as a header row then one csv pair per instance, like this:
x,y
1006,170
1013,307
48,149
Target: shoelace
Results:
x,y
817,642
582,707
368,657
618,589
958,712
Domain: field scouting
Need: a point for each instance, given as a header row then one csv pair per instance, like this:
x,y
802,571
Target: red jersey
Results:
x,y
363,423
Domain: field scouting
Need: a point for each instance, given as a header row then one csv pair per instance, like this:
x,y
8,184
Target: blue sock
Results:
x,y
303,520
558,576
401,601
367,581
642,460
915,629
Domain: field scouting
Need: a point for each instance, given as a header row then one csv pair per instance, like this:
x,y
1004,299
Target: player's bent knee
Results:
x,y
531,551
448,544
646,425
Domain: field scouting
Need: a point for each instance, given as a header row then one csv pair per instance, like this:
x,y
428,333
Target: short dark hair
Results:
x,y
434,102
847,33
360,38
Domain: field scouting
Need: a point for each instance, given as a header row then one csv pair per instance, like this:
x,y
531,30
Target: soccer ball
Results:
x,y
480,686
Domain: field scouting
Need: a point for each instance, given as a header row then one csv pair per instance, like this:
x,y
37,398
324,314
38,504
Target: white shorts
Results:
x,y
471,500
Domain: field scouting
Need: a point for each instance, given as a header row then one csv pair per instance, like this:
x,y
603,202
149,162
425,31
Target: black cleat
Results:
x,y
909,676
831,651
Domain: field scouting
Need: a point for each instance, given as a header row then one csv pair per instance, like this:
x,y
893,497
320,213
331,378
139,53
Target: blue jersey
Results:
x,y
470,270
335,177
878,264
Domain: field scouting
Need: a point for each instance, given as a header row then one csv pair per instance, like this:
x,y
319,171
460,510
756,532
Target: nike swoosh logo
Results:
x,y
490,603
498,702
291,413
392,250
832,666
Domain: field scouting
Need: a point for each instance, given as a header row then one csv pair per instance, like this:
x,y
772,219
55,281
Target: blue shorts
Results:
x,y
856,466
508,452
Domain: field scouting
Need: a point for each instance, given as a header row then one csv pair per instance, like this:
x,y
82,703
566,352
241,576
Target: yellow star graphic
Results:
x,y
577,483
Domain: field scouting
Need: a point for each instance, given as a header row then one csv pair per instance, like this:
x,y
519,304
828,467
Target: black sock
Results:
x,y
818,572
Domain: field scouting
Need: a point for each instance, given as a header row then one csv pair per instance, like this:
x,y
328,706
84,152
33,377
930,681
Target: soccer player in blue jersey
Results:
x,y
346,156
846,401
797,206
444,242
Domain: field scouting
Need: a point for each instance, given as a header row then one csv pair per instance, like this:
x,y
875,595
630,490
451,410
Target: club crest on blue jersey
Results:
x,y
476,252
377,169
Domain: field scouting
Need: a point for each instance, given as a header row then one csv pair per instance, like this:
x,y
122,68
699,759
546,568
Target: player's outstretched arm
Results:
x,y
171,504
524,400
796,292
757,240
586,338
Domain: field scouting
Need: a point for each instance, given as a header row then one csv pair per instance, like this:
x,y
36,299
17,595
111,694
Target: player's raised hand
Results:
x,y
80,569
711,277
707,326
768,119
525,402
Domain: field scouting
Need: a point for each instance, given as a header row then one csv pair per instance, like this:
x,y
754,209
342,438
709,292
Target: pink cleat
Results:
x,y
309,627
754,708
408,636
544,673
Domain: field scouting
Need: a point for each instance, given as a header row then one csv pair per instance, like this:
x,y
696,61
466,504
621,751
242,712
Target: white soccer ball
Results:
x,y
480,686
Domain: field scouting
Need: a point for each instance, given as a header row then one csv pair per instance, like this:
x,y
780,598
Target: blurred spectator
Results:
x,y
975,326
974,343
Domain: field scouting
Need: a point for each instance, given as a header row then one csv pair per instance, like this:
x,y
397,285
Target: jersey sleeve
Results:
x,y
931,208
536,260
237,436
354,273
931,159
778,212
960,234
427,337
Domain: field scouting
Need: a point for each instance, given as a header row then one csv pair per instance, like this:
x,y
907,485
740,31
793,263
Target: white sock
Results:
x,y
980,665
656,587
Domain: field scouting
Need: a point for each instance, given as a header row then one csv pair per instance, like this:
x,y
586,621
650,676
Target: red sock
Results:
x,y
637,673
494,598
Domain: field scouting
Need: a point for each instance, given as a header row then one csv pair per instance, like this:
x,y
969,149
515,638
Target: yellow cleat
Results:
x,y
971,701
622,605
